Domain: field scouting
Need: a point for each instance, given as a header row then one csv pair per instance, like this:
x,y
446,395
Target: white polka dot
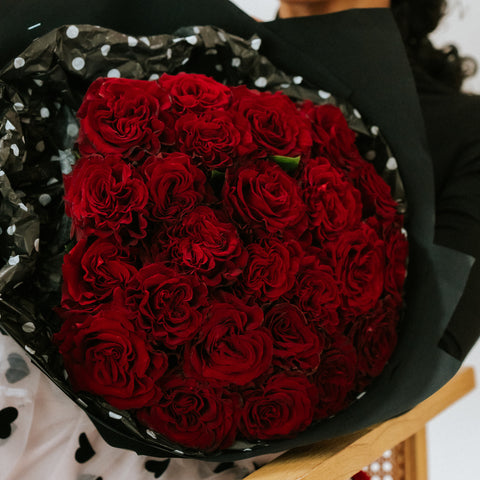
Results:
x,y
132,41
361,395
222,37
150,433
23,206
78,63
44,199
185,60
392,164
52,181
2,173
376,477
145,40
36,244
38,82
114,415
387,467
113,73
15,149
375,130
196,30
72,31
387,477
371,155
14,260
192,39
357,113
375,467
405,234
256,43
72,130
179,452
30,350
44,112
219,68
261,82
285,85
9,125
65,373
323,94
236,62
297,80
28,327
387,454
40,146
18,106
105,50
11,229
169,53
154,76
19,62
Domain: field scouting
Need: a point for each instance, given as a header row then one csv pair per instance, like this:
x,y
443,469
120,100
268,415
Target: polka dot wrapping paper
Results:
x,y
40,92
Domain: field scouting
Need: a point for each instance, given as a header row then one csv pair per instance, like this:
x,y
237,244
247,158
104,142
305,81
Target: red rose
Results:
x,y
281,407
333,203
233,346
316,292
277,126
271,268
207,244
125,117
190,92
169,304
93,270
104,355
359,262
104,197
194,414
174,184
376,195
332,137
335,377
374,336
296,345
214,138
263,196
396,252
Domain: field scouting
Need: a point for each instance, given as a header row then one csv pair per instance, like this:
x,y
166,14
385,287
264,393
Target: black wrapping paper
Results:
x,y
40,91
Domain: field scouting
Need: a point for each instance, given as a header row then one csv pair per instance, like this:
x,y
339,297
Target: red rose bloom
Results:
x,y
335,376
233,346
296,345
271,269
125,117
207,244
359,262
281,407
376,195
277,126
104,197
214,138
175,186
263,196
104,355
316,292
194,414
169,304
374,336
332,137
190,92
333,203
92,271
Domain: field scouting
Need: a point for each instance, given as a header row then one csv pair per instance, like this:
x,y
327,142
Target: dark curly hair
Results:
x,y
416,19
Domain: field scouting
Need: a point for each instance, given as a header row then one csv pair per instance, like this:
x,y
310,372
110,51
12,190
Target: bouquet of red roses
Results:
x,y
238,267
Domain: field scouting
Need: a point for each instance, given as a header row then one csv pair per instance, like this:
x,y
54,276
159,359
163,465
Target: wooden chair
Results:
x,y
403,438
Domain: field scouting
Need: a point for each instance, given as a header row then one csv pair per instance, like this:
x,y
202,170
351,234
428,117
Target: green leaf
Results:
x,y
218,175
288,164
